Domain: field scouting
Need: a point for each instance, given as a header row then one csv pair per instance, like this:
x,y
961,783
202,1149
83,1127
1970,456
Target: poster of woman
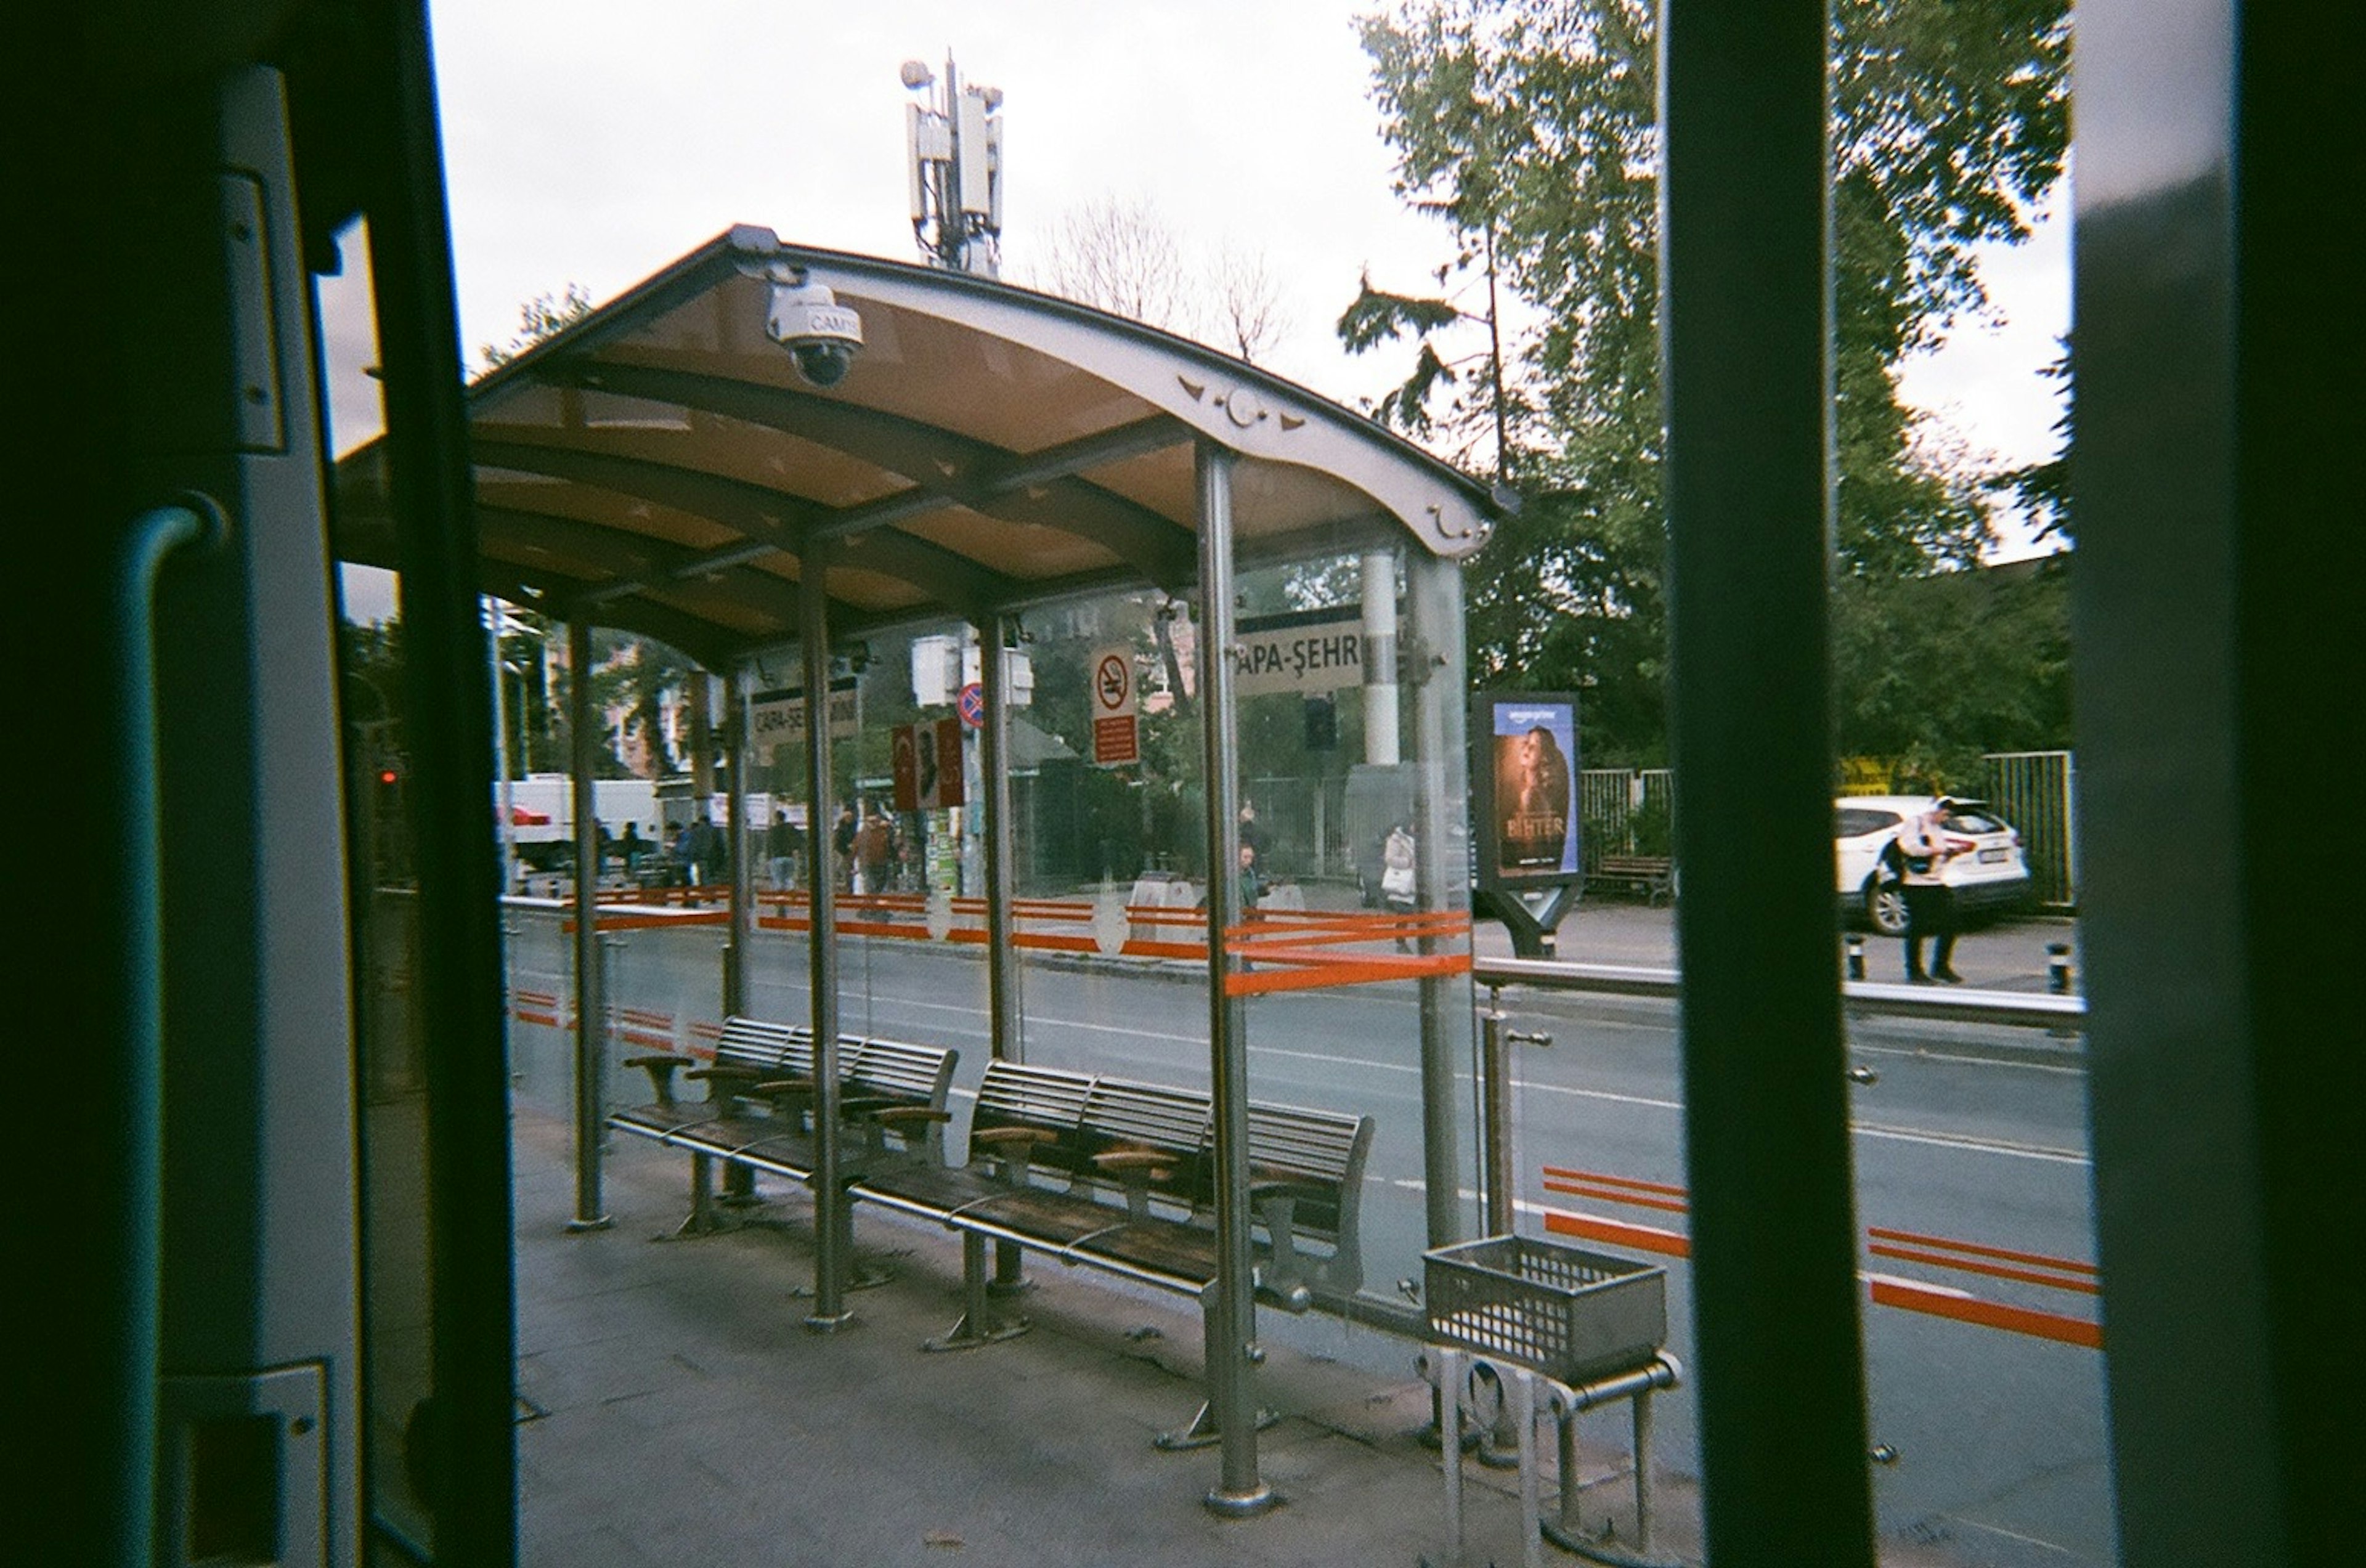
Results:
x,y
1535,829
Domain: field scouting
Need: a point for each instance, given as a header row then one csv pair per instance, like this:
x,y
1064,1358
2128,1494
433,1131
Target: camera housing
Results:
x,y
821,335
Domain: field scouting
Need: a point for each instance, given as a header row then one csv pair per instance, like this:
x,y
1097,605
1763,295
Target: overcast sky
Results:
x,y
593,141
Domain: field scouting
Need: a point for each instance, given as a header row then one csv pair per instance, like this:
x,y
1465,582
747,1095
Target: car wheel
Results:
x,y
1885,907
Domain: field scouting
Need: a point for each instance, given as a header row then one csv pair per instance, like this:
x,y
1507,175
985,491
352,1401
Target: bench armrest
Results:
x,y
741,1074
1135,1159
1000,1135
1013,1150
785,1086
892,1113
660,1068
1276,1201
1137,1168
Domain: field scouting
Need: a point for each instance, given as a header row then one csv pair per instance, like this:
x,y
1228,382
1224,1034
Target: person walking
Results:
x,y
841,843
1397,877
780,845
874,845
1920,855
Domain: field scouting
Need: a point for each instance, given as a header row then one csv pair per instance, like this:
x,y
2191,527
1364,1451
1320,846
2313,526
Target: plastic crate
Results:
x,y
1572,1315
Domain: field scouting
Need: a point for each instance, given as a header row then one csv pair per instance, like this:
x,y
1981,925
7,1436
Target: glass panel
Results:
x,y
1975,1198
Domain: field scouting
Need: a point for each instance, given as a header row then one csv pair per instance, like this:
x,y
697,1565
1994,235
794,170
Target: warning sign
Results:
x,y
1116,735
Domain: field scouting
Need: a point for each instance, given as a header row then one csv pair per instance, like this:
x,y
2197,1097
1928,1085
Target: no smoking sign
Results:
x,y
1117,737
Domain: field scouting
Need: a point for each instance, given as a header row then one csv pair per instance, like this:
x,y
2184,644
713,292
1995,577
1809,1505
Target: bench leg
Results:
x,y
739,1188
861,1273
703,1219
1008,1280
978,1325
1202,1431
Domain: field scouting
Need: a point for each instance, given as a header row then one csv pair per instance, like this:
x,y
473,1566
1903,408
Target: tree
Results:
x,y
1529,127
540,316
2043,488
1123,257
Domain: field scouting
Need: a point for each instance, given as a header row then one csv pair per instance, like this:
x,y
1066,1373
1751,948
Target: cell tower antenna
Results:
x,y
955,141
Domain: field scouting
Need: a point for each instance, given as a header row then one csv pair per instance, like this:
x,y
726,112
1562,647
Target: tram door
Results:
x,y
247,922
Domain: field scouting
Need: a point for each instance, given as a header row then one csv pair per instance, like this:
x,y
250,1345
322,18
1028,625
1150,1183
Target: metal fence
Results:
x,y
2037,791
1628,811
1625,811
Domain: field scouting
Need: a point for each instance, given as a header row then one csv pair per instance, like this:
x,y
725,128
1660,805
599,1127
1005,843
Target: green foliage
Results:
x,y
1931,670
2044,488
540,316
1530,128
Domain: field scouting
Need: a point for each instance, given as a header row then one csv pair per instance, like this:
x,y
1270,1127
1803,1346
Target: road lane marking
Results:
x,y
1963,1141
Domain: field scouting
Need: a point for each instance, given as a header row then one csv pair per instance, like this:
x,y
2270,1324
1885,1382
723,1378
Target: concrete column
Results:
x,y
1382,747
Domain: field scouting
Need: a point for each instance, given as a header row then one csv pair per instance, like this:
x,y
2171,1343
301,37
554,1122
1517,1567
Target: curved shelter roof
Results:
x,y
661,466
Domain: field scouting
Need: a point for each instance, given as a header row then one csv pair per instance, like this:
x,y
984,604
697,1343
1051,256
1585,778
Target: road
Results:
x,y
1969,1149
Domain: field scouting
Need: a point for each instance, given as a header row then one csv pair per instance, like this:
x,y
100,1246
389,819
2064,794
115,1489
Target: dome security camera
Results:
x,y
821,335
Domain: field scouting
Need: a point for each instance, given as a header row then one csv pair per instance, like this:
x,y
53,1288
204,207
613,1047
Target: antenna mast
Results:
x,y
955,139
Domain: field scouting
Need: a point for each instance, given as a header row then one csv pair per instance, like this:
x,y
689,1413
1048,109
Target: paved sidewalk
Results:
x,y
675,1411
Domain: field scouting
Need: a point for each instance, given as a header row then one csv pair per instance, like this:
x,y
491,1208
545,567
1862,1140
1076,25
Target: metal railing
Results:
x,y
1866,998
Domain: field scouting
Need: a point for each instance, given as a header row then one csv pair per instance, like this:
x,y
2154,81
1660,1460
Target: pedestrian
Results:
x,y
1919,854
686,845
631,846
781,843
1251,879
1252,832
1397,877
841,841
874,844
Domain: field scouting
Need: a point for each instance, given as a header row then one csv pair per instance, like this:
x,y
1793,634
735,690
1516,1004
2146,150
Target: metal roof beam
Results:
x,y
756,512
1141,438
1042,489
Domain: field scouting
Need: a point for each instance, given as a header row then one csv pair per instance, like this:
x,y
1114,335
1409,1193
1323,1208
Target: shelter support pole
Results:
x,y
1747,303
738,1180
591,967
744,840
831,1250
1436,664
1233,1311
1002,972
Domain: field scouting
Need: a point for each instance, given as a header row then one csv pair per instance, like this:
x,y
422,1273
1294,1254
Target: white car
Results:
x,y
1987,872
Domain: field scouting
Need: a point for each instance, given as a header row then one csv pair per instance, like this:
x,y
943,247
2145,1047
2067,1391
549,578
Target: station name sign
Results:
x,y
1308,652
778,718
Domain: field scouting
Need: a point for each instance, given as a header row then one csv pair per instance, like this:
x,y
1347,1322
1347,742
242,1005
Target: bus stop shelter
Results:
x,y
665,465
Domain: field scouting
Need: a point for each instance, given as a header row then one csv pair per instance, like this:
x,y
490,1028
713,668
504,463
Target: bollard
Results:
x,y
1855,946
2057,968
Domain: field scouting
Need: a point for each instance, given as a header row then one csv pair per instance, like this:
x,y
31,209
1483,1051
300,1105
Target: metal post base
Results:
x,y
1242,1505
970,1333
818,1323
1202,1432
860,1275
978,1325
578,1227
695,1225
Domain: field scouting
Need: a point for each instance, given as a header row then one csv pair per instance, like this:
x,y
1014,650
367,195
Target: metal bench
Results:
x,y
1654,876
757,1113
1119,1176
